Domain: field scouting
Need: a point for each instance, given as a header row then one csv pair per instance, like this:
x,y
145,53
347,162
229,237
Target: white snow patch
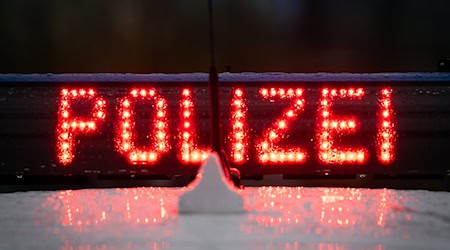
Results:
x,y
211,192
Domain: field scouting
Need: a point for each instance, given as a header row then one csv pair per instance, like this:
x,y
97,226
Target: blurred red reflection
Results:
x,y
323,210
136,206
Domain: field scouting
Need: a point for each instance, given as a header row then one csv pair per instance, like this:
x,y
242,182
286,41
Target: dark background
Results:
x,y
147,36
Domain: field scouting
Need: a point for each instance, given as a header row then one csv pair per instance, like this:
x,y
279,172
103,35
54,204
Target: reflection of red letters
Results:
x,y
268,152
69,126
190,153
330,126
386,129
238,135
126,132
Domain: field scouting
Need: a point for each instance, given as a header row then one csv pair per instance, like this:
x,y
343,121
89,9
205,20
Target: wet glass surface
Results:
x,y
276,217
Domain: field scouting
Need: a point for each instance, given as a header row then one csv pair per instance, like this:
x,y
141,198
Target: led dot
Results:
x,y
290,92
152,92
143,156
264,92
186,92
65,114
290,113
273,157
360,156
82,92
65,136
91,125
64,92
273,92
282,124
152,156
272,135
160,114
290,156
143,92
126,103
91,92
125,135
351,124
238,92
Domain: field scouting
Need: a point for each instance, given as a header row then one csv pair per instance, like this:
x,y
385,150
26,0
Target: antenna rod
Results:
x,y
213,83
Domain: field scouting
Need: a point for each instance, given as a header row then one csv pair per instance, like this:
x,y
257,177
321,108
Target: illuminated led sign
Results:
x,y
163,129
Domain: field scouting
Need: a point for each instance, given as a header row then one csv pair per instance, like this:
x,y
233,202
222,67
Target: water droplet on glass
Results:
x,y
10,91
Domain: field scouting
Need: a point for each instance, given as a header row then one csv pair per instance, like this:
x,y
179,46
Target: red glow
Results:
x,y
127,206
386,128
126,132
68,126
239,132
268,151
190,152
339,205
329,127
